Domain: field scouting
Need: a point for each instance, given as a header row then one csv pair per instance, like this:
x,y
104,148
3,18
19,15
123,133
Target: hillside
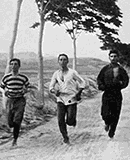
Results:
x,y
30,61
85,66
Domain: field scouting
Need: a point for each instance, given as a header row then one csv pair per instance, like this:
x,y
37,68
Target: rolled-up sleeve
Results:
x,y
53,82
81,81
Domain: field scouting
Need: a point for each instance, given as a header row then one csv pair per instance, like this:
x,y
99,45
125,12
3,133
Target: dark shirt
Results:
x,y
107,82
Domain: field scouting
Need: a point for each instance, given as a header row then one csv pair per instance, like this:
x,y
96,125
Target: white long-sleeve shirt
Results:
x,y
68,85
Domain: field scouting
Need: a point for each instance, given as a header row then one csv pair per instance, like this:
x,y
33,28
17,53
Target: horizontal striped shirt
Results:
x,y
14,84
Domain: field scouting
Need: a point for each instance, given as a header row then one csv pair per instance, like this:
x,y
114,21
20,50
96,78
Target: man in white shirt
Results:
x,y
68,91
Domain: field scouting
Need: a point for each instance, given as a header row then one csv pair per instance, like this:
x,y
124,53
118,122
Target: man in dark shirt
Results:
x,y
112,79
15,85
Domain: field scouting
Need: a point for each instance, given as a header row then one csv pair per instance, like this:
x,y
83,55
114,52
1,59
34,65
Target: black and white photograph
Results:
x,y
64,80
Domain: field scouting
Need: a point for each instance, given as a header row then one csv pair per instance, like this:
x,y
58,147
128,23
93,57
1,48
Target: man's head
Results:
x,y
63,60
15,64
114,56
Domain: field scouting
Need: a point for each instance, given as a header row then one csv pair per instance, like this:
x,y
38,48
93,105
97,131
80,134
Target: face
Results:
x,y
63,61
14,66
113,58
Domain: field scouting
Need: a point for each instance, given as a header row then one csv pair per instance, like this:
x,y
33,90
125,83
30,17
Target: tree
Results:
x,y
124,51
74,33
122,48
42,13
100,16
15,30
45,8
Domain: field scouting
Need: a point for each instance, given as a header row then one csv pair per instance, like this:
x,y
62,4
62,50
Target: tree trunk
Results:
x,y
11,49
75,58
40,57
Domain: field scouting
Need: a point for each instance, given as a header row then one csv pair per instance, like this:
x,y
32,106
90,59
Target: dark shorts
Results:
x,y
67,113
15,108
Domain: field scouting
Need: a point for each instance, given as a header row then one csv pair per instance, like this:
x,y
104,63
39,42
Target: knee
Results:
x,y
11,125
71,122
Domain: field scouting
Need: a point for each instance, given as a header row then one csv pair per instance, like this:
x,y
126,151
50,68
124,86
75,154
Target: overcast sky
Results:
x,y
56,40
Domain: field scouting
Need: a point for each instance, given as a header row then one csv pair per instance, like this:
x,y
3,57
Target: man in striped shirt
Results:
x,y
15,85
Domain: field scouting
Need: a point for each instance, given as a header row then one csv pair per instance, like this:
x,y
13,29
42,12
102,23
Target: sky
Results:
x,y
55,38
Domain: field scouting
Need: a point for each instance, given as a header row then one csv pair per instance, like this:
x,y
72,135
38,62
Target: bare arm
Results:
x,y
80,80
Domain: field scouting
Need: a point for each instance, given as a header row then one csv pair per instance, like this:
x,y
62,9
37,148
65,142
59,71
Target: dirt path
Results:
x,y
88,140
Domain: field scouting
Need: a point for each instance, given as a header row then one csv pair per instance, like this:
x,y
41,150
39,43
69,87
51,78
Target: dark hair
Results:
x,y
16,59
63,55
114,51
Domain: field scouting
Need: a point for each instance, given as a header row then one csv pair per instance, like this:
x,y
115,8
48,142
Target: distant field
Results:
x,y
86,66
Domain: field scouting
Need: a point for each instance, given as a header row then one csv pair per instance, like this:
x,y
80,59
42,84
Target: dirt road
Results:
x,y
88,140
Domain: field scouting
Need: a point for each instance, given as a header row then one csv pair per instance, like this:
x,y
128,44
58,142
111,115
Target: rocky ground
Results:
x,y
88,139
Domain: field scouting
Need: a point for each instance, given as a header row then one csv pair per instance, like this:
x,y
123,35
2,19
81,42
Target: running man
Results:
x,y
15,85
112,79
70,86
